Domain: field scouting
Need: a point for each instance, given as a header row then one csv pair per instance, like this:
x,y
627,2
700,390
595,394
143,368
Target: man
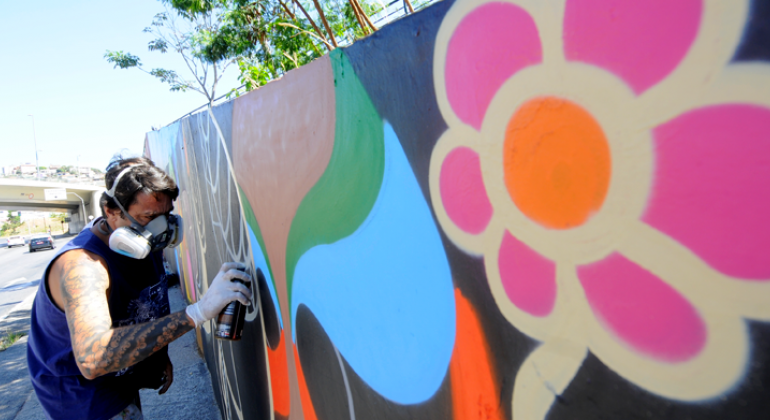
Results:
x,y
100,321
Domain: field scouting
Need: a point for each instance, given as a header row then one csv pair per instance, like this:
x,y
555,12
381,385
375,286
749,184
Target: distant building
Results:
x,y
28,168
86,172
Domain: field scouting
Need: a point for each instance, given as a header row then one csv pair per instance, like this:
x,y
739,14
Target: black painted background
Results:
x,y
395,67
243,360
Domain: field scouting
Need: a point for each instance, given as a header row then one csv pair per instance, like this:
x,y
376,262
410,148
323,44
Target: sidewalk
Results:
x,y
190,396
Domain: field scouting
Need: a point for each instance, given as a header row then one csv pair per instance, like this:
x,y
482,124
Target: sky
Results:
x,y
84,110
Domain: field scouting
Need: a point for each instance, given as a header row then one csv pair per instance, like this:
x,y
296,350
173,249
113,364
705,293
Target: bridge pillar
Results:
x,y
94,209
76,221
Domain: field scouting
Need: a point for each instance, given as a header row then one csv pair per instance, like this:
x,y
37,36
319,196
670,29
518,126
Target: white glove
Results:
x,y
221,292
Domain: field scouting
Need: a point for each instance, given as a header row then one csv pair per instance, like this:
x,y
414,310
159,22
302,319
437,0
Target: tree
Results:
x,y
269,37
265,38
184,32
59,217
12,224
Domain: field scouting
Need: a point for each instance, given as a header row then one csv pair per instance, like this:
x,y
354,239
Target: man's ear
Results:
x,y
111,213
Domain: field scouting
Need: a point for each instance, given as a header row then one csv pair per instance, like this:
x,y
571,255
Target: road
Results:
x,y
21,271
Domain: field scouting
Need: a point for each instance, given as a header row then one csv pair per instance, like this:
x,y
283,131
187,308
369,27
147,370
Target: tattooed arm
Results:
x,y
79,284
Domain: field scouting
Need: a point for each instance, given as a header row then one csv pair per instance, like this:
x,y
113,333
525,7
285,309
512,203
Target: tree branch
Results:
x,y
326,24
366,17
312,22
358,17
289,25
293,17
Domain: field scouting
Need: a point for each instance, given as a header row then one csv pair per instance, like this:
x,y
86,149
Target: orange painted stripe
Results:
x,y
279,377
475,392
304,394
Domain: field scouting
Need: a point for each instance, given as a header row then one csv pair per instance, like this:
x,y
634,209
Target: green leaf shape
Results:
x,y
345,193
251,220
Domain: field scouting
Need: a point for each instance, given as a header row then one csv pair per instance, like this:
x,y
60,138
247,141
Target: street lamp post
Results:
x,y
34,137
82,205
78,168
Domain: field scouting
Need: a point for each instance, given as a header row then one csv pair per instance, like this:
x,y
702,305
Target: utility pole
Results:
x,y
34,137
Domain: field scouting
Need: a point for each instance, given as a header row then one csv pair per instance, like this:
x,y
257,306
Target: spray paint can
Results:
x,y
229,325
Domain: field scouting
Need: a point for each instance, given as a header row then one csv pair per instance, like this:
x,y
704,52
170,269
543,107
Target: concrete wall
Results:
x,y
497,210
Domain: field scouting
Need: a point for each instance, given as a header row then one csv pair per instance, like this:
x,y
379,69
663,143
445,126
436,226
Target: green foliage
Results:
x,y
191,8
269,38
58,217
170,77
11,225
183,28
158,45
9,339
122,60
67,169
265,38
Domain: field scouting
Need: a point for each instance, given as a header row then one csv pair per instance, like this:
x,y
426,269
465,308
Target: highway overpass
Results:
x,y
79,202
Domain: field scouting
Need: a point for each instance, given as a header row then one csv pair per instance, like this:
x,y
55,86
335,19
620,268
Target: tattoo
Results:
x,y
99,347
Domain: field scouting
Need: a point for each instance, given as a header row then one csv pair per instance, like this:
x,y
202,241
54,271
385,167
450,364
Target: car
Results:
x,y
41,241
15,241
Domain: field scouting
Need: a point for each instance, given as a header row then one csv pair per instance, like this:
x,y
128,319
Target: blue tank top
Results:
x,y
138,293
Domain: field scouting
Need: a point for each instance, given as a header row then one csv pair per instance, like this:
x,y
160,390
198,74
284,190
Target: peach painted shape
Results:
x,y
710,189
279,377
529,279
475,393
282,140
489,45
639,41
462,190
642,310
557,162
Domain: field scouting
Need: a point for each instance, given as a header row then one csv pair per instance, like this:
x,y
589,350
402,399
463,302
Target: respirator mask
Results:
x,y
137,241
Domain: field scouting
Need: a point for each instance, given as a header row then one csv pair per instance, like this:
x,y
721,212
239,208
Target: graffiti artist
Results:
x,y
100,323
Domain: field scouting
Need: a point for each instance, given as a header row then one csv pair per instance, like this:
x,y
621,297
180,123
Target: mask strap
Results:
x,y
133,221
101,228
111,193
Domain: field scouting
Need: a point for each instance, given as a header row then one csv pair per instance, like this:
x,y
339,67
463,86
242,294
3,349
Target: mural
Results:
x,y
495,210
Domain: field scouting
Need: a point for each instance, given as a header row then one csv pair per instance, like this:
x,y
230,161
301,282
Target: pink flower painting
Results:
x,y
611,166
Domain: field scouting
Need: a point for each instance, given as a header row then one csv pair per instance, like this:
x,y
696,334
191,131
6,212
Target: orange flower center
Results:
x,y
557,162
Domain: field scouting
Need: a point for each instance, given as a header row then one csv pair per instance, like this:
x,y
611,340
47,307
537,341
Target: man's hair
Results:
x,y
143,176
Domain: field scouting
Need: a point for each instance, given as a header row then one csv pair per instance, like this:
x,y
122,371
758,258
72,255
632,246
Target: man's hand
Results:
x,y
222,291
169,375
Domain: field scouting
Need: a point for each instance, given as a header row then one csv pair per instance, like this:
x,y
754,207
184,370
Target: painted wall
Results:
x,y
495,210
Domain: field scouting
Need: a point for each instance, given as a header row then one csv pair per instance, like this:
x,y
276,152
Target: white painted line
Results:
x,y
26,303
